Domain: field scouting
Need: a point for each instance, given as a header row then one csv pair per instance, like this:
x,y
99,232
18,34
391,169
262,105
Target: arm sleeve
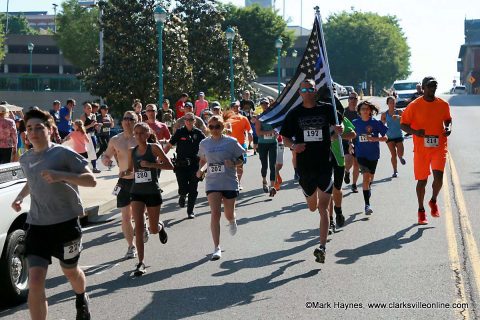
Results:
x,y
407,115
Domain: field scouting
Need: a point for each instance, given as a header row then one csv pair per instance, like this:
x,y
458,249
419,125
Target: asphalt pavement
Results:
x,y
268,270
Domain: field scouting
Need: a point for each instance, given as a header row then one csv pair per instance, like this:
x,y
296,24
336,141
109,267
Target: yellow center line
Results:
x,y
465,225
453,250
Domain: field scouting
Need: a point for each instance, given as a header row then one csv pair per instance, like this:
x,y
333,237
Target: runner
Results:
x,y
166,115
350,160
240,127
90,122
199,124
428,119
221,154
53,172
200,104
144,161
79,138
391,118
106,123
158,128
279,163
367,146
267,150
310,124
187,139
119,148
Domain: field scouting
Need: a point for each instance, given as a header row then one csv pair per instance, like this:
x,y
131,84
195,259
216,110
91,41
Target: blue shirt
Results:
x,y
373,128
64,125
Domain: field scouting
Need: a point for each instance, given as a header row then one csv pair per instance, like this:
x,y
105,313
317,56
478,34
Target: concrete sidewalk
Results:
x,y
100,200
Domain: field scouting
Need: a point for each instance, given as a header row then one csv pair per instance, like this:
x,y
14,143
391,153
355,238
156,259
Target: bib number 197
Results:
x,y
312,135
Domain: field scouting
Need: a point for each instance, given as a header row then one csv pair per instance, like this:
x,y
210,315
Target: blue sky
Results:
x,y
434,28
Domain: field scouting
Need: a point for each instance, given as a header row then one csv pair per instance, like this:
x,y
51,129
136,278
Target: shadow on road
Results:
x,y
381,246
284,210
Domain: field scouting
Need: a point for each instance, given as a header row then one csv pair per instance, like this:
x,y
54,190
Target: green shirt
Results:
x,y
337,147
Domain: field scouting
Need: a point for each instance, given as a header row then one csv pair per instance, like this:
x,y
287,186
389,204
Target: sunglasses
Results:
x,y
215,127
304,90
189,119
128,119
150,110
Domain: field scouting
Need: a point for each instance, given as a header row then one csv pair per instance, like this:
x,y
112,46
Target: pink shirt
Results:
x,y
8,133
200,106
80,141
160,129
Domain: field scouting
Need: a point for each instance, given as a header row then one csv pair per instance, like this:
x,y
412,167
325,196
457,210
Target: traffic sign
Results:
x,y
471,79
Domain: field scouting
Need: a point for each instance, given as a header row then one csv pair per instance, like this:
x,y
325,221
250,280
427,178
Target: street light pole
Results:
x,y
6,24
160,17
279,45
30,47
54,17
230,33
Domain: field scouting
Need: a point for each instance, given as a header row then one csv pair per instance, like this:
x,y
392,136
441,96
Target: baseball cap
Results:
x,y
428,80
188,104
235,104
264,100
215,104
201,93
103,106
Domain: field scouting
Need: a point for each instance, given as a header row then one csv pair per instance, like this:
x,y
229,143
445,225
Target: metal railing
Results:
x,y
41,83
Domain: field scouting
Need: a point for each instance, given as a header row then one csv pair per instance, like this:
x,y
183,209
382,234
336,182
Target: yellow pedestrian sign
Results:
x,y
471,79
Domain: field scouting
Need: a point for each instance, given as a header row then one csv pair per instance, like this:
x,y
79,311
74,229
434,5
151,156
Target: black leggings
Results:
x,y
268,154
103,142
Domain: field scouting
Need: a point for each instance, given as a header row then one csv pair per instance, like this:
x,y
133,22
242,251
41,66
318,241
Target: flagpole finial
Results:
x,y
317,9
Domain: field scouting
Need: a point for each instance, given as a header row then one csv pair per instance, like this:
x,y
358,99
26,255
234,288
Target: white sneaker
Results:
x,y
233,227
217,254
131,253
146,233
240,187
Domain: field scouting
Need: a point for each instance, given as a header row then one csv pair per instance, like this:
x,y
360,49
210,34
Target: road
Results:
x,y
268,271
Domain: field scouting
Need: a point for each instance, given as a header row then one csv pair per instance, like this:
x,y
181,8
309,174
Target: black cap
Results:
x,y
104,106
428,80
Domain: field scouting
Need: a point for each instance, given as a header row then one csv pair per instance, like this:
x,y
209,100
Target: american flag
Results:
x,y
312,66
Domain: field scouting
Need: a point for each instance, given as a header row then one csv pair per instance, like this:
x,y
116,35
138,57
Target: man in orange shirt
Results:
x,y
239,126
428,120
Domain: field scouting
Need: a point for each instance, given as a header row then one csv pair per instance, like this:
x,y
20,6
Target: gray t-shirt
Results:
x,y
219,177
52,203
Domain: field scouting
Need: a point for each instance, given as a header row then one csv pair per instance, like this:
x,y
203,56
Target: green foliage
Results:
x,y
260,28
77,34
208,48
17,24
2,43
366,46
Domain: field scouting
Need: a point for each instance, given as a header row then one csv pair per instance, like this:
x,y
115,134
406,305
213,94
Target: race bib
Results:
x,y
312,135
116,190
143,176
269,136
72,249
216,168
363,137
430,141
105,129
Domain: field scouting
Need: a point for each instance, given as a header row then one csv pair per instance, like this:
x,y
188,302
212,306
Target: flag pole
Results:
x,y
328,75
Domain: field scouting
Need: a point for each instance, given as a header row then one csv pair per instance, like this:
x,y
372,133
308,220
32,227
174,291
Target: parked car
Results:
x,y
458,90
404,90
13,266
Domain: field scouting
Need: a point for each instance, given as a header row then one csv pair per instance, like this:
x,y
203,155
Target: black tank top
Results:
x,y
145,180
88,121
106,121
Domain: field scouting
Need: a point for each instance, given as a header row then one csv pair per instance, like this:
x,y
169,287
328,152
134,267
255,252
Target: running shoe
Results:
x,y
83,312
433,206
331,228
240,187
422,217
346,177
95,170
265,187
191,215
402,161
217,254
354,188
319,254
146,233
278,182
233,227
162,234
181,201
368,210
296,177
131,253
140,270
340,219
395,174
273,192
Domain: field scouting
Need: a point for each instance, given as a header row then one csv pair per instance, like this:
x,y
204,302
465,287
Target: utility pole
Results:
x,y
54,17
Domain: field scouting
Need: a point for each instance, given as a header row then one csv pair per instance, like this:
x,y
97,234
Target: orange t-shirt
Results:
x,y
240,126
430,116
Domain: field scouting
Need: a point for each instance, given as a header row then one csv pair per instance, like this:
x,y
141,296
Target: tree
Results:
x,y
17,24
366,46
130,63
78,34
209,50
2,44
260,28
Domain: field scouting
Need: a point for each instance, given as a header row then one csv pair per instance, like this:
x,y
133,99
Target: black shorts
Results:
x,y
338,174
366,165
396,140
310,181
227,194
123,196
150,200
62,241
345,146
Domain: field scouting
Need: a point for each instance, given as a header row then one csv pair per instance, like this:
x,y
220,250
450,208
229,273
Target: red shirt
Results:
x,y
179,109
160,129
